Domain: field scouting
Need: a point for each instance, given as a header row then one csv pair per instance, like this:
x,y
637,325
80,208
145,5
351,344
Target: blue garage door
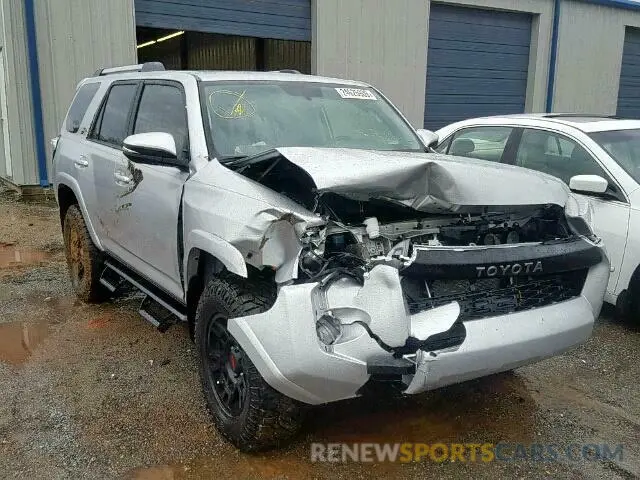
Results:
x,y
629,91
477,64
281,19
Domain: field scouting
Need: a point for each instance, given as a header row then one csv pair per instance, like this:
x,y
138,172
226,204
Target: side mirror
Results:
x,y
154,148
588,184
429,138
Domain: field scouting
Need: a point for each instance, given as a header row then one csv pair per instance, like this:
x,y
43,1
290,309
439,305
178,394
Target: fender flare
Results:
x,y
68,181
226,253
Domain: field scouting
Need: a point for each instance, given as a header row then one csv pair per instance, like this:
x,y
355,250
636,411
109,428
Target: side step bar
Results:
x,y
157,308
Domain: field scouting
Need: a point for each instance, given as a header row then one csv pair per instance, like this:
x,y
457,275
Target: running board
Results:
x,y
158,309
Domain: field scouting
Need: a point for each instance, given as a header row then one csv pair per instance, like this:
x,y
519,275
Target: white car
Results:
x,y
598,157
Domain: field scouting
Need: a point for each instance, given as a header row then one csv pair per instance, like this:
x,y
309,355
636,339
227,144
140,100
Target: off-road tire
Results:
x,y
84,260
267,418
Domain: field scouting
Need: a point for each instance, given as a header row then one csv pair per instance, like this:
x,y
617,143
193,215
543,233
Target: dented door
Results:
x,y
145,221
146,209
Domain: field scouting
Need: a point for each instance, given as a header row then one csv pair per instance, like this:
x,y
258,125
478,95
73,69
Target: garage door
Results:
x,y
477,63
629,91
281,19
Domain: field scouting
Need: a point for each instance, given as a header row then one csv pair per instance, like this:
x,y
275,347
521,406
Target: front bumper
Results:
x,y
284,346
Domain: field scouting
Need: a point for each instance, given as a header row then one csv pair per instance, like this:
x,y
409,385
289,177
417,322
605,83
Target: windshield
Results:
x,y
624,148
247,118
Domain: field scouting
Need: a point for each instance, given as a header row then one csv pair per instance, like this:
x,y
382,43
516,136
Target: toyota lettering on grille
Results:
x,y
509,269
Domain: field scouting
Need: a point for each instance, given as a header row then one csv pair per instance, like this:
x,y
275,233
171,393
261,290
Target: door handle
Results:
x,y
120,178
81,162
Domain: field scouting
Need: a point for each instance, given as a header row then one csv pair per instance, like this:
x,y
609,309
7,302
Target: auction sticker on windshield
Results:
x,y
359,93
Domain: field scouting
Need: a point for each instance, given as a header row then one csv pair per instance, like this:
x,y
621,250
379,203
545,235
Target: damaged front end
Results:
x,y
412,288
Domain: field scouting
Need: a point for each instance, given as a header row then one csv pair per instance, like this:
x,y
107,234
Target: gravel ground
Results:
x,y
93,391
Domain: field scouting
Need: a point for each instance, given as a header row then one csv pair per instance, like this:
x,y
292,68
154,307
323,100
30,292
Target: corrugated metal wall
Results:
x,y
287,54
590,46
210,51
75,38
166,52
629,90
378,41
285,19
220,52
477,63
19,112
3,107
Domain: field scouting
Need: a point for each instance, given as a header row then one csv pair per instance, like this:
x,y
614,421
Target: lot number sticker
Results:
x,y
359,93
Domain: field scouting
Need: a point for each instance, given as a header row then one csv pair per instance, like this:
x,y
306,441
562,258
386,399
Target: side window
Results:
x,y
163,109
556,155
79,106
111,126
484,143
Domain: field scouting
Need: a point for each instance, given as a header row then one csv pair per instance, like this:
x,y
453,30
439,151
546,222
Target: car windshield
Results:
x,y
624,148
247,118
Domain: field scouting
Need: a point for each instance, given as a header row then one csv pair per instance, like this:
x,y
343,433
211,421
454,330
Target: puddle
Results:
x,y
471,411
13,256
241,466
19,339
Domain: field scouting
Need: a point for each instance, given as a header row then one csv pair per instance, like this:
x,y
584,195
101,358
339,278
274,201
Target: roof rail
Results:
x,y
286,70
141,67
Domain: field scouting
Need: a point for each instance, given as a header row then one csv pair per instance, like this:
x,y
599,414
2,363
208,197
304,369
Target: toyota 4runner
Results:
x,y
312,242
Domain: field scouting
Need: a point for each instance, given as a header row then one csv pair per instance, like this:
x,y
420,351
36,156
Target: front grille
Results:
x,y
492,297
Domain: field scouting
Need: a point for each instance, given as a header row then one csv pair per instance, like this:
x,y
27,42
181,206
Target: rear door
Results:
x,y
104,156
71,157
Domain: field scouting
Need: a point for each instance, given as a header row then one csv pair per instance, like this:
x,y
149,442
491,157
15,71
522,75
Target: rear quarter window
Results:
x,y
79,106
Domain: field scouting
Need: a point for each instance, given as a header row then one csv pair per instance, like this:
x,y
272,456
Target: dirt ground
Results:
x,y
93,391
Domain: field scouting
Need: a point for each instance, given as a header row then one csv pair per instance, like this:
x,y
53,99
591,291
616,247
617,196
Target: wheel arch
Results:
x,y
206,255
203,261
68,193
66,198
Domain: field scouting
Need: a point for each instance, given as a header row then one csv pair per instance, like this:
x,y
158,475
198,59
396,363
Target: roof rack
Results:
x,y
141,67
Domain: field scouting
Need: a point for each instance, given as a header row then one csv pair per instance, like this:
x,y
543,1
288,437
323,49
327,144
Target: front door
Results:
x,y
563,157
142,205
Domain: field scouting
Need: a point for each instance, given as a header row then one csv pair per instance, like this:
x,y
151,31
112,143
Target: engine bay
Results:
x,y
342,245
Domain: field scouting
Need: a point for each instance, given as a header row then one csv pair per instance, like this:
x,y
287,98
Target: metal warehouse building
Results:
x,y
438,61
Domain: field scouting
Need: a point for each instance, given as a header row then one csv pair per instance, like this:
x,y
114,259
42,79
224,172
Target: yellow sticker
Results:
x,y
230,105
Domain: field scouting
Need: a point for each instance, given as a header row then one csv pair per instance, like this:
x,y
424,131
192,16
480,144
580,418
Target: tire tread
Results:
x,y
271,418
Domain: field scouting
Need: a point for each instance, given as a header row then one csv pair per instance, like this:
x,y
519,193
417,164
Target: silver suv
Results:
x,y
312,242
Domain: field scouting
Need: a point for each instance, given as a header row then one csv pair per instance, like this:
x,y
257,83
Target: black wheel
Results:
x,y
627,307
245,409
83,258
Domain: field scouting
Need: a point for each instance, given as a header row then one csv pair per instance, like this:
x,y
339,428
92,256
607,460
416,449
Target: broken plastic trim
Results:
x,y
452,337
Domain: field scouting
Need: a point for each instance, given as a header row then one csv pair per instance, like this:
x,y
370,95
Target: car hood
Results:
x,y
424,181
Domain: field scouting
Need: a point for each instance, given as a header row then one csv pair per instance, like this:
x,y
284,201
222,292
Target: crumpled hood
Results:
x,y
425,181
